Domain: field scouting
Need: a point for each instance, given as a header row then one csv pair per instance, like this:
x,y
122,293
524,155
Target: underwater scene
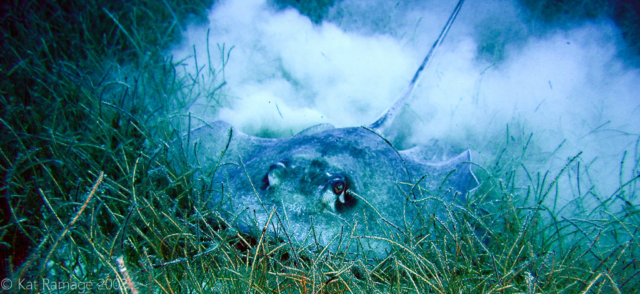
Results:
x,y
327,146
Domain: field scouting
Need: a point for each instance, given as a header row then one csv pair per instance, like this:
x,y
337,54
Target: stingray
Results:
x,y
328,186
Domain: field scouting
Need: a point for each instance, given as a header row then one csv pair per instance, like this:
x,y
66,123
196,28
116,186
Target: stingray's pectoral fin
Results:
x,y
449,178
204,145
460,176
315,129
206,148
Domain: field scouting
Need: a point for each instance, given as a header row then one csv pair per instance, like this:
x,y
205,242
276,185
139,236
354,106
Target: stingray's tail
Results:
x,y
387,118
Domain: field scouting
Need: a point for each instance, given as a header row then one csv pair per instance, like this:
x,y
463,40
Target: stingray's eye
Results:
x,y
338,187
273,176
337,194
